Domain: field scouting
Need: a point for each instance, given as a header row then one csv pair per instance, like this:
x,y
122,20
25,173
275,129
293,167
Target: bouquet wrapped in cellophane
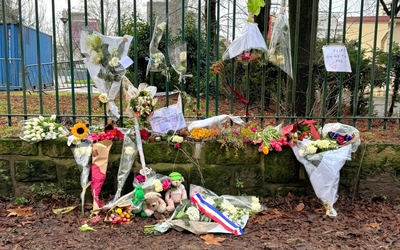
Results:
x,y
106,59
157,62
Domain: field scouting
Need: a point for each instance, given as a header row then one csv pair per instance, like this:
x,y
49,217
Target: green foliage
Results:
x,y
47,191
239,186
20,200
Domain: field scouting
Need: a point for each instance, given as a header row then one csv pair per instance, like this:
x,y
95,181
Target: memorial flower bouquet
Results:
x,y
41,128
106,59
143,105
156,60
318,146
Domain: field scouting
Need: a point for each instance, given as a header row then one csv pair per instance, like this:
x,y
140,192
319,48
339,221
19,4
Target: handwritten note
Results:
x,y
167,118
336,58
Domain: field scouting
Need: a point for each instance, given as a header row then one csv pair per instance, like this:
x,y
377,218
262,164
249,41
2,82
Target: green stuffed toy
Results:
x,y
138,202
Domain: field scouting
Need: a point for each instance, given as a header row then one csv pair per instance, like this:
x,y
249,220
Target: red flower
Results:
x,y
177,146
340,140
144,134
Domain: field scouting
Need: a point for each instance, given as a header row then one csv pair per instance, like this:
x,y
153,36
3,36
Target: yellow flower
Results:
x,y
200,133
265,150
79,130
182,56
103,98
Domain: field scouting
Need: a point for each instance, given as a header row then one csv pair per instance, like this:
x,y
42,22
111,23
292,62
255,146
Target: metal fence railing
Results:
x,y
47,58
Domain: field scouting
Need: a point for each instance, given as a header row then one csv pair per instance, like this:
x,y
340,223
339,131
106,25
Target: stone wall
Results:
x,y
374,169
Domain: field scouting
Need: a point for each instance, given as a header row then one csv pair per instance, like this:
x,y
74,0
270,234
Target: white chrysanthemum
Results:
x,y
193,213
129,150
311,149
209,201
177,139
255,204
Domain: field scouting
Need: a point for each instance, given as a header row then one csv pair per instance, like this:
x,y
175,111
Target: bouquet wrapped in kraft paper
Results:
x,y
100,156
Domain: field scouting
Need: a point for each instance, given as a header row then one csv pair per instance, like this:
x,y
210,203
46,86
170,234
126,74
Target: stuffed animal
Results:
x,y
176,193
153,203
138,201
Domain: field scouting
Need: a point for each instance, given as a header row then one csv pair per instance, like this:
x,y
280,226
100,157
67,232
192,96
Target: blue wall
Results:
x,y
30,56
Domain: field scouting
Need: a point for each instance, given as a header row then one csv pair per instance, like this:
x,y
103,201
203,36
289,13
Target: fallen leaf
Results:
x,y
299,207
64,210
373,225
86,227
209,239
21,212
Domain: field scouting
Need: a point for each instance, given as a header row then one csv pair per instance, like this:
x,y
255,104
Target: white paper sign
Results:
x,y
167,118
336,58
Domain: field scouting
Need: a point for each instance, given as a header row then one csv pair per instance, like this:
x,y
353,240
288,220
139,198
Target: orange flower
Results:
x,y
80,130
265,150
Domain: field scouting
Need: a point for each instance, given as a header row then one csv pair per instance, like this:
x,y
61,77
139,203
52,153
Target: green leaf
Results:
x,y
86,227
254,6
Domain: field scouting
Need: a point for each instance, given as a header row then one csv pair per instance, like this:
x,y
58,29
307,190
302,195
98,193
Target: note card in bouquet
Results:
x,y
336,58
167,118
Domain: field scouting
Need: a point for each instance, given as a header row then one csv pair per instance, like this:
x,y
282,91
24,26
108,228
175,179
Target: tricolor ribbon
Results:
x,y
211,212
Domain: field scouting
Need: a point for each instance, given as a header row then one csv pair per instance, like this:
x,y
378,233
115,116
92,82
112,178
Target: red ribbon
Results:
x,y
293,128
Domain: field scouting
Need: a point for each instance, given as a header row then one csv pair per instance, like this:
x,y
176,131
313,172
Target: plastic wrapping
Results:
x,y
230,213
106,60
129,152
251,39
156,60
324,168
82,154
279,47
214,120
41,128
178,60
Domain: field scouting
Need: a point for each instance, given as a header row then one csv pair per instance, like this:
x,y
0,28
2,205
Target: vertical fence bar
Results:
x,y
339,111
264,67
53,16
166,55
355,99
71,62
371,94
325,84
89,88
6,61
198,56
22,50
217,58
182,42
389,63
121,103
135,43
311,59
295,57
208,52
232,81
102,32
151,35
38,57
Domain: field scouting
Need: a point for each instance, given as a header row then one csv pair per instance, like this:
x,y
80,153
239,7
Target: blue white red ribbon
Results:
x,y
215,215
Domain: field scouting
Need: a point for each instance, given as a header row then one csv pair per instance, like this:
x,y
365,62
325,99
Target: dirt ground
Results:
x,y
286,223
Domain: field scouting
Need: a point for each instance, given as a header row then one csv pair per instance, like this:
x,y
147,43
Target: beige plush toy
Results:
x,y
153,203
176,193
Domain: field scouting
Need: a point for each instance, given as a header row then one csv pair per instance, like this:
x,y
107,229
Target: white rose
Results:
x,y
114,62
177,139
129,150
182,56
103,98
153,102
53,118
76,141
162,26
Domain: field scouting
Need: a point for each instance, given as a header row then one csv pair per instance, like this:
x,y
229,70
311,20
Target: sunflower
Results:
x,y
79,130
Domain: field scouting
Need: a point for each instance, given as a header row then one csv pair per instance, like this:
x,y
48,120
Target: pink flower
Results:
x,y
235,132
166,184
278,147
140,178
247,125
246,140
254,130
256,141
340,140
260,148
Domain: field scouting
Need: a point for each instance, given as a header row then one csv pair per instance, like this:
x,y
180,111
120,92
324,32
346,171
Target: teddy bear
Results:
x,y
153,203
176,193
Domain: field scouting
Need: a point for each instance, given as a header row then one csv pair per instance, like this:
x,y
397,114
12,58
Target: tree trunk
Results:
x,y
305,25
